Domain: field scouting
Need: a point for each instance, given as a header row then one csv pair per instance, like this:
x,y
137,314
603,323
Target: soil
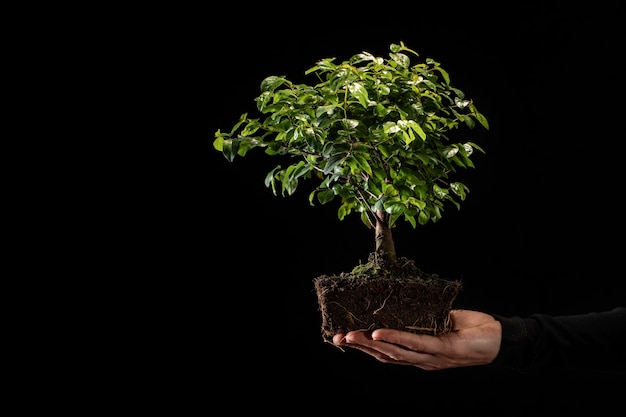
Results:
x,y
398,296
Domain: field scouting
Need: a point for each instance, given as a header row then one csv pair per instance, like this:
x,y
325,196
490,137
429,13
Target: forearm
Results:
x,y
593,341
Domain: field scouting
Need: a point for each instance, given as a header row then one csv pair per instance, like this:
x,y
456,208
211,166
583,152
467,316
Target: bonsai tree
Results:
x,y
376,136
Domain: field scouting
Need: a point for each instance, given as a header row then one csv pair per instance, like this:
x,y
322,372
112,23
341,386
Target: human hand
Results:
x,y
473,340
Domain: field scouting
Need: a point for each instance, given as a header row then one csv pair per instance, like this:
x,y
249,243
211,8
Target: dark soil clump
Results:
x,y
398,296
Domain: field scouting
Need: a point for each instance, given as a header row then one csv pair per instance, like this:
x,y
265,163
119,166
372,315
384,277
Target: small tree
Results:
x,y
373,132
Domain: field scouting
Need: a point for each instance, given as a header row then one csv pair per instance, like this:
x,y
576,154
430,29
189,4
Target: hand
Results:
x,y
473,340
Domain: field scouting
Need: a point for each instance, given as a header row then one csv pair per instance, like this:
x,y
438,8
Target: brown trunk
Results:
x,y
385,247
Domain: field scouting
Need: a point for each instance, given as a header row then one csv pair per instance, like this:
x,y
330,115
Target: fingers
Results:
x,y
381,351
388,352
339,339
416,342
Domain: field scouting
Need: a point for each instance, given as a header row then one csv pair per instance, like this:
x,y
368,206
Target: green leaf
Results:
x,y
482,120
417,129
440,193
218,143
395,208
325,196
289,180
401,59
366,220
272,82
445,74
342,212
358,91
270,179
332,163
362,163
230,148
390,128
417,203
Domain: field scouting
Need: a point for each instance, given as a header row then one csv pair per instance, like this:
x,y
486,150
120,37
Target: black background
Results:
x,y
540,231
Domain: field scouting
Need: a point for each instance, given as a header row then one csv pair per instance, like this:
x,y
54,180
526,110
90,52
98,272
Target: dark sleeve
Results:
x,y
594,341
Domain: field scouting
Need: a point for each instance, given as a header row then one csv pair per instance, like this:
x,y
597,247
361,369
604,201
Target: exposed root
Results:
x,y
384,302
347,311
423,329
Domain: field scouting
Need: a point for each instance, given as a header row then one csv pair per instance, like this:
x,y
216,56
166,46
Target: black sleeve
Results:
x,y
594,341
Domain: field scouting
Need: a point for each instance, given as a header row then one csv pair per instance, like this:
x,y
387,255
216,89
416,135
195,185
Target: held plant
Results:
x,y
376,136
373,132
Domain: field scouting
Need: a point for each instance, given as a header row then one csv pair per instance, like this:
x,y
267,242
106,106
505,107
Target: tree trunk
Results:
x,y
385,247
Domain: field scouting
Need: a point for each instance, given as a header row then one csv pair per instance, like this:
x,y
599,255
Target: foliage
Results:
x,y
373,132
